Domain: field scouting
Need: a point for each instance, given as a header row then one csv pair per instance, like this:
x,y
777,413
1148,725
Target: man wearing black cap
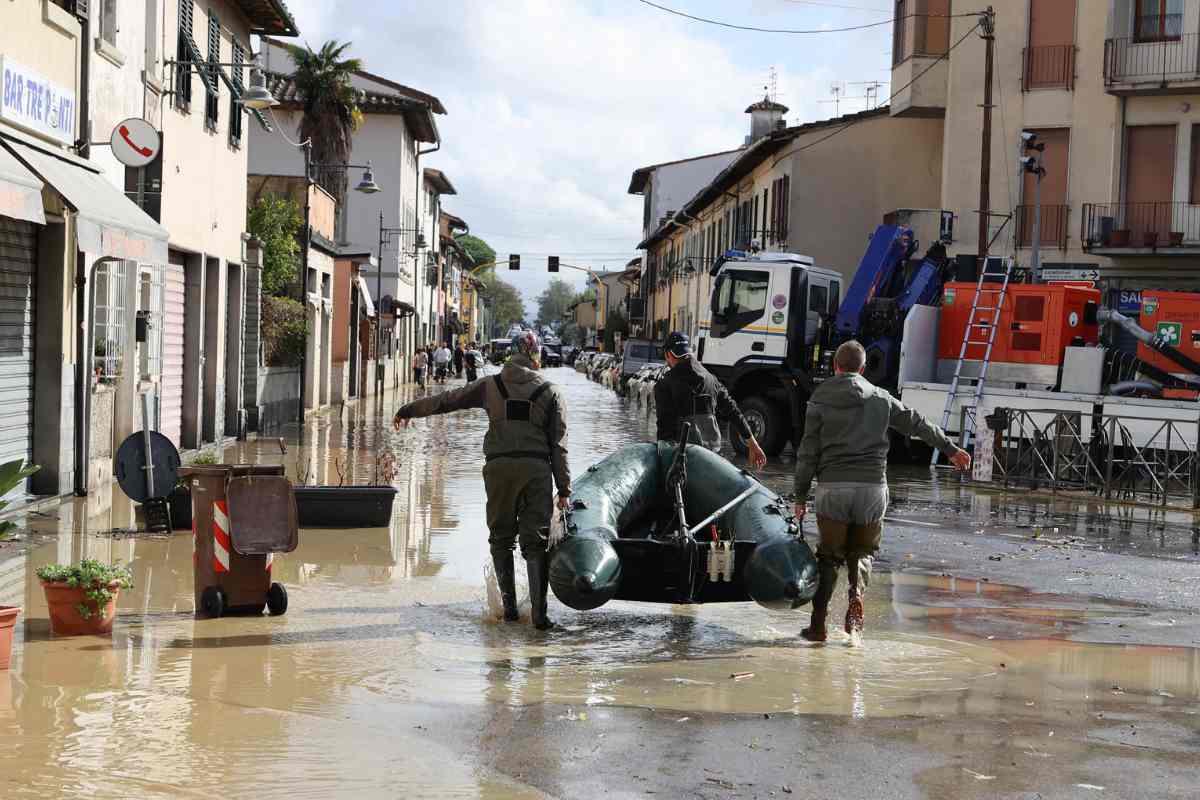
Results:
x,y
690,393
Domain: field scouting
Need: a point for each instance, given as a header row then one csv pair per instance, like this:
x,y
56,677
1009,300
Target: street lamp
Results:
x,y
385,238
258,97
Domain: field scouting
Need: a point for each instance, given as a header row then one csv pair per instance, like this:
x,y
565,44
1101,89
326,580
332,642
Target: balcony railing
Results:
x,y
1054,225
1049,67
1163,60
1140,225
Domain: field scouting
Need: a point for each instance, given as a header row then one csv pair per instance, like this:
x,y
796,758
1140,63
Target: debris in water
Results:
x,y
786,789
979,776
683,719
996,557
740,676
1091,786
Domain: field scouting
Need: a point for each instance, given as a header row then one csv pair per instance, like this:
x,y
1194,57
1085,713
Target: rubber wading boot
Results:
x,y
854,608
539,586
827,579
506,578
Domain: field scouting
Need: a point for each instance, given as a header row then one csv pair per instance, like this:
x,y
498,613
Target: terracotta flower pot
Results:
x,y
1149,238
8,620
65,619
1119,238
1176,238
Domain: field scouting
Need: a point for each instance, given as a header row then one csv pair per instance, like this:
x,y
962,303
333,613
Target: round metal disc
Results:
x,y
131,462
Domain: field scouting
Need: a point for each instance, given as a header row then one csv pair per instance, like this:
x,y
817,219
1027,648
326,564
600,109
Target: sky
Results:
x,y
552,104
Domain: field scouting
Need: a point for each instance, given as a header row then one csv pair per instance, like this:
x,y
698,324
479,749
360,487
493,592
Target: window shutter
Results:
x,y
235,109
183,55
212,98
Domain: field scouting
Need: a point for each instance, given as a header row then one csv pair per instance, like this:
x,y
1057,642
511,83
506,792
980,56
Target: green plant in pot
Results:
x,y
181,496
82,598
12,475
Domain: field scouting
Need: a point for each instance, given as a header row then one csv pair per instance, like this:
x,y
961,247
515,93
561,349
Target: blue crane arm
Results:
x,y
889,247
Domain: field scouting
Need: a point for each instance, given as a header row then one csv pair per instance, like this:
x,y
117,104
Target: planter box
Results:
x,y
8,620
181,508
345,506
65,620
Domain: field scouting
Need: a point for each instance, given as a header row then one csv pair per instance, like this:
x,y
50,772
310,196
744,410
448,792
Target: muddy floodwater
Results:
x,y
389,676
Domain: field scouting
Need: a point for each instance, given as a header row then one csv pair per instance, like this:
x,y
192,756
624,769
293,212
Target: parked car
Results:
x,y
569,354
640,353
552,354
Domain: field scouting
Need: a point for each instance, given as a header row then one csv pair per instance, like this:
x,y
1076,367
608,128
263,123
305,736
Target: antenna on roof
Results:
x,y
870,92
837,89
773,84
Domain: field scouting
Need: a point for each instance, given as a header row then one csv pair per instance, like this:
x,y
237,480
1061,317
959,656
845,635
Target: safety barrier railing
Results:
x,y
1117,456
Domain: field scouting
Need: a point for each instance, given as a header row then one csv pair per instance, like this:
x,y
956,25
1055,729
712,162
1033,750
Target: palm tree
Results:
x,y
331,114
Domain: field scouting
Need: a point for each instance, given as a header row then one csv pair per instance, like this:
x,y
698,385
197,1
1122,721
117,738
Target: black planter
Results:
x,y
345,506
180,501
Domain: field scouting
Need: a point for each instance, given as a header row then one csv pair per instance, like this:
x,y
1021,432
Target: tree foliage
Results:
x,y
276,221
507,304
616,323
479,250
284,328
331,113
554,302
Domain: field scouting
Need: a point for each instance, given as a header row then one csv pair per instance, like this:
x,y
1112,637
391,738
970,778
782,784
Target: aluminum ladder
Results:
x,y
996,290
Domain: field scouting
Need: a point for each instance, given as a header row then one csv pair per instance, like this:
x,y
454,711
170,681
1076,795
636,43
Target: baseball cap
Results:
x,y
678,344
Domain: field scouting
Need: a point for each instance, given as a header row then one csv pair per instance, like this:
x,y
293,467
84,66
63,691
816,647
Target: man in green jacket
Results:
x,y
845,445
525,458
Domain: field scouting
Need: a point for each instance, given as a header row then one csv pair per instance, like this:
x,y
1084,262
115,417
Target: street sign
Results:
x,y
135,142
1070,274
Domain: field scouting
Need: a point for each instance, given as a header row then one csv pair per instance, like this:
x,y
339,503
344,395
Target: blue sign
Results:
x,y
1130,301
28,99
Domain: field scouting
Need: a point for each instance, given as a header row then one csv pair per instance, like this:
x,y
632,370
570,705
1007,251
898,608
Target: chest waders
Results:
x,y
705,430
520,496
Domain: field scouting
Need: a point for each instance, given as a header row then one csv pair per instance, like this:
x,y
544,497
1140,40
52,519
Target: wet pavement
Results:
x,y
388,676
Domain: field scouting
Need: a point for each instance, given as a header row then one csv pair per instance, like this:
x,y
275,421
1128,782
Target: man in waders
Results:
x,y
690,393
525,455
845,445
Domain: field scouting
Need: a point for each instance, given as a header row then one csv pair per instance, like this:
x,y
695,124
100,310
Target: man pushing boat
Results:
x,y
690,393
525,455
845,445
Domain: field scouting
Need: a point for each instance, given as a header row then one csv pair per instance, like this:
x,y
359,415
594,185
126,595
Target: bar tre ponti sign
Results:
x,y
32,101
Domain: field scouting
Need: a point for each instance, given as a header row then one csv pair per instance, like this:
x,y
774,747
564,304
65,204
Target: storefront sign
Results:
x,y
1130,301
30,100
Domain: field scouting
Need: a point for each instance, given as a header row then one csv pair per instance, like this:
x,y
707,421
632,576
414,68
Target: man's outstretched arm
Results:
x,y
473,395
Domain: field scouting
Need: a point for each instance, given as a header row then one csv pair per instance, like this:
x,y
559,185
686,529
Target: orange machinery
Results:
x,y
1175,318
1037,323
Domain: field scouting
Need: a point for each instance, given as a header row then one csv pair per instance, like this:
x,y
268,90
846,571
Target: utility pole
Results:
x,y
988,33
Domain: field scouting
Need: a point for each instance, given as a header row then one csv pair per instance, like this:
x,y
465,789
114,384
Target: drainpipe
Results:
x,y
82,373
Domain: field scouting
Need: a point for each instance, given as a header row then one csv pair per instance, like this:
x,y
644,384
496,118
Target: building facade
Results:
x,y
1112,89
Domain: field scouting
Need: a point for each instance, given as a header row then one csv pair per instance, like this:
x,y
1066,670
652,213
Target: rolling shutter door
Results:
x,y
18,267
171,407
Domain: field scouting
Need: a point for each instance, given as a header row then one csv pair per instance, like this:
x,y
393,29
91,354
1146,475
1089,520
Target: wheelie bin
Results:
x,y
242,515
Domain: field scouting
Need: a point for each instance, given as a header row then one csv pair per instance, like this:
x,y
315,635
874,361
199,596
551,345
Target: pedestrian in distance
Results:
x,y
845,448
420,364
690,393
458,360
525,460
472,361
441,362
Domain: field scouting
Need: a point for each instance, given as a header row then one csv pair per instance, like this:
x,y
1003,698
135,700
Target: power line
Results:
x,y
754,29
891,97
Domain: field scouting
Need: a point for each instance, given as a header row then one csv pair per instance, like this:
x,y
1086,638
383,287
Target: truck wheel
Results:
x,y
213,602
769,424
277,600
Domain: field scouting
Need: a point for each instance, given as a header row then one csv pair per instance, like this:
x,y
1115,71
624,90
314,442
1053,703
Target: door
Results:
x,y
171,388
1050,57
1149,182
18,269
739,316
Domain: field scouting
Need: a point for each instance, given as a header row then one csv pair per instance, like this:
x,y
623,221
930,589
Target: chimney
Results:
x,y
766,116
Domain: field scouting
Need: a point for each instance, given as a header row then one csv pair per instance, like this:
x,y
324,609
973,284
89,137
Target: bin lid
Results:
x,y
262,515
131,466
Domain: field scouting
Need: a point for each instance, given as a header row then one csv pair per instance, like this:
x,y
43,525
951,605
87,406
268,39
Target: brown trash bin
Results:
x,y
241,516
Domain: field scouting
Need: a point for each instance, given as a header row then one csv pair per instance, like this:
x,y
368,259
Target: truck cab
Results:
x,y
768,315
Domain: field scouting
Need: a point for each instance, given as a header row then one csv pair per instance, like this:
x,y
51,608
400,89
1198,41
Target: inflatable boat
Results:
x,y
663,523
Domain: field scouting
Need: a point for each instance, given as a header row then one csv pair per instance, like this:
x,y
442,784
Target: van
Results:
x,y
640,353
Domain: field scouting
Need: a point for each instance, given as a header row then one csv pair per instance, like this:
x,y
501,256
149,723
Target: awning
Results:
x,y
109,223
20,191
367,305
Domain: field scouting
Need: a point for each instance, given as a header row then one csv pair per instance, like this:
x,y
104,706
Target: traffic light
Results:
x,y
552,263
514,261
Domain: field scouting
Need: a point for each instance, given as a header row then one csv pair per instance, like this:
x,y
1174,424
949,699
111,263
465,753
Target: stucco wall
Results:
x,y
672,185
42,37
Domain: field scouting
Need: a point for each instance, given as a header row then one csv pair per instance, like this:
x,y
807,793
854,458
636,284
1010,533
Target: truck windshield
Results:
x,y
740,298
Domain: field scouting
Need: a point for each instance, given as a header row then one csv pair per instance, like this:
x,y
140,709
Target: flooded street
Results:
x,y
388,676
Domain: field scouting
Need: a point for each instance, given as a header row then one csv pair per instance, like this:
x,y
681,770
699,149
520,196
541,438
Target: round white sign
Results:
x,y
135,142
